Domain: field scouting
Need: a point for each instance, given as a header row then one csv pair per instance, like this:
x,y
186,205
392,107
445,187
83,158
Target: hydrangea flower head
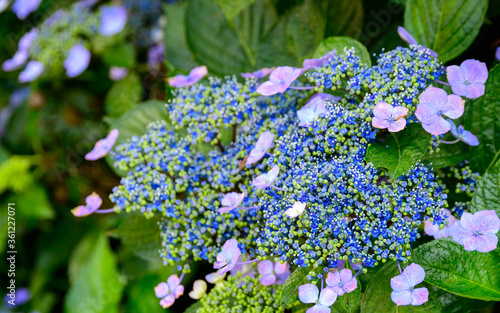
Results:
x,y
32,71
267,179
271,274
227,258
199,289
314,108
194,76
279,80
463,135
468,79
23,8
433,104
341,281
432,229
103,146
407,37
309,293
77,61
92,204
387,116
169,291
113,19
264,143
231,201
263,72
403,286
297,209
477,231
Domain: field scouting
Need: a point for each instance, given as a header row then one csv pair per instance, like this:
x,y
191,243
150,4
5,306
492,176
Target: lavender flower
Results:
x,y
264,143
407,37
103,146
341,281
270,274
478,231
497,54
387,116
117,73
404,286
297,209
3,5
434,103
314,108
468,79
231,201
463,135
266,179
22,53
23,8
156,56
263,72
312,63
169,291
194,76
113,19
227,258
432,229
93,202
309,293
279,80
32,71
77,61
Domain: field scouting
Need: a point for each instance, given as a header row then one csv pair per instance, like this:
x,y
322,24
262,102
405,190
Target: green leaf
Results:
x,y
339,43
176,48
451,303
193,308
231,8
289,294
98,286
400,151
33,203
123,96
445,26
348,23
469,274
448,155
141,235
377,297
481,118
121,55
350,301
141,299
487,194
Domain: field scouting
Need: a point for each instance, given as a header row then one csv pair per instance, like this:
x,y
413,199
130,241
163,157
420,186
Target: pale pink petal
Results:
x,y
419,296
475,90
308,293
426,113
487,222
396,126
167,301
415,274
455,75
402,297
327,297
400,283
267,280
475,71
439,127
265,267
382,110
454,107
269,88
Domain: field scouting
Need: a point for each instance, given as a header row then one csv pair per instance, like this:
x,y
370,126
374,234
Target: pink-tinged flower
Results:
x,y
169,291
341,281
407,37
403,285
77,61
103,146
309,293
463,135
231,201
279,80
433,104
199,289
194,76
113,19
22,54
314,109
264,143
432,229
478,231
387,116
296,209
117,73
312,63
497,54
266,179
468,79
92,204
227,258
263,72
23,8
273,274
32,71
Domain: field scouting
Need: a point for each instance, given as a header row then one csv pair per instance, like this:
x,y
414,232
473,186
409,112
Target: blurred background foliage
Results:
x,y
107,264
